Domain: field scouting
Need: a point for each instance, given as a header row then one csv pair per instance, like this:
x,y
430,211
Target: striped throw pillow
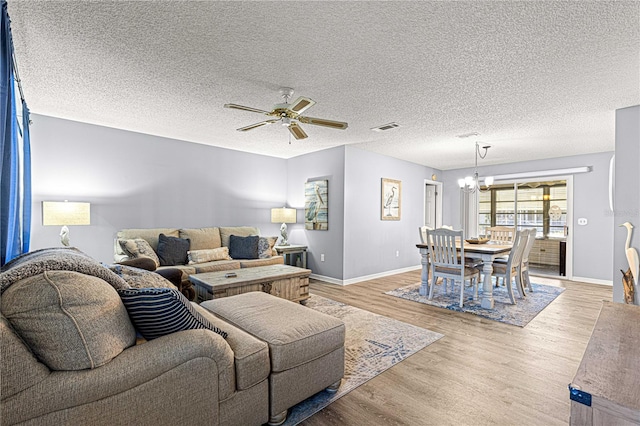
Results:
x,y
156,312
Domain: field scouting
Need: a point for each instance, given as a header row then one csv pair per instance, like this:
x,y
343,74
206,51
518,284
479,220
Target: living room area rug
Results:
x,y
373,344
519,314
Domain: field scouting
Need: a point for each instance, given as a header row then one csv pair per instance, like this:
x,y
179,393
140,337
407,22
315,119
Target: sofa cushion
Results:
x,y
156,312
251,355
71,321
240,231
138,247
265,247
172,250
208,255
140,278
251,263
202,238
217,265
243,247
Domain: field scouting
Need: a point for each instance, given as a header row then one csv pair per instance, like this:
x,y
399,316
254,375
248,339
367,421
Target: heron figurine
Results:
x,y
631,253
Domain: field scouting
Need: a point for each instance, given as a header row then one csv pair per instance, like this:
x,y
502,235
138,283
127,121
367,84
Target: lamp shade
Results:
x,y
283,215
65,213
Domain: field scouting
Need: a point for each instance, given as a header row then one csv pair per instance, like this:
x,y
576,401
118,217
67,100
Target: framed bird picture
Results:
x,y
316,205
391,199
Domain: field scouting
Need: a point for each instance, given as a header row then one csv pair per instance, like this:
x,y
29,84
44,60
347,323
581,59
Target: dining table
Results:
x,y
486,252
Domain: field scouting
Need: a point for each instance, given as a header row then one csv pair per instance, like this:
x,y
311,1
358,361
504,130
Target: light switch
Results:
x,y
582,221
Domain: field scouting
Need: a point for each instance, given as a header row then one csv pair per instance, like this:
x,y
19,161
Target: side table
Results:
x,y
293,252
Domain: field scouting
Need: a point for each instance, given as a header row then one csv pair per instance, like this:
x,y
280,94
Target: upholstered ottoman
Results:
x,y
306,347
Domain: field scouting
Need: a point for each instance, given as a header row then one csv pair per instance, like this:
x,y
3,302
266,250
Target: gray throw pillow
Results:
x,y
243,247
172,250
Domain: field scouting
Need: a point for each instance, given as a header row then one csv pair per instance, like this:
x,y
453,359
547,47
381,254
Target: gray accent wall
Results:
x,y
372,245
627,191
326,164
592,243
358,243
133,180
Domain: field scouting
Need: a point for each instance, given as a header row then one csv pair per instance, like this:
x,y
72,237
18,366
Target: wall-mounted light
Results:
x,y
283,215
65,213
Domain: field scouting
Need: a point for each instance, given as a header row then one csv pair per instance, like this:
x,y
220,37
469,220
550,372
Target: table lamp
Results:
x,y
284,215
65,213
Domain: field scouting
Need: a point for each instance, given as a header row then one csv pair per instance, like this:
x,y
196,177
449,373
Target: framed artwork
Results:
x,y
316,205
391,199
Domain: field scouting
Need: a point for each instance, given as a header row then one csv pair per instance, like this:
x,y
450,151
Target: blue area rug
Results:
x,y
519,314
373,344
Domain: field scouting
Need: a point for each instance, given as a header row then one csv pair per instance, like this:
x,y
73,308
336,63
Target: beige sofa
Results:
x,y
200,239
69,352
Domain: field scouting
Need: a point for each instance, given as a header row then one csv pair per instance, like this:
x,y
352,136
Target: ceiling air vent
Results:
x,y
384,127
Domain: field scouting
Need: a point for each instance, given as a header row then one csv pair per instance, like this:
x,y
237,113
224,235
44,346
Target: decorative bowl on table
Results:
x,y
477,240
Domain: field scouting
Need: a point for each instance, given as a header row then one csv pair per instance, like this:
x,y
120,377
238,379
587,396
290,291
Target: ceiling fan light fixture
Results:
x,y
286,121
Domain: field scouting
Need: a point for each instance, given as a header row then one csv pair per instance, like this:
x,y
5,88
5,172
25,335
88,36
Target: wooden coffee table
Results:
x,y
287,282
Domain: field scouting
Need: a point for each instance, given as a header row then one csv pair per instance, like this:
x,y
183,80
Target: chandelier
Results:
x,y
471,184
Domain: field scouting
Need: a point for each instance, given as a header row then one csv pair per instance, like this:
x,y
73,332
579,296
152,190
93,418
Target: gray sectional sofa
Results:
x,y
70,353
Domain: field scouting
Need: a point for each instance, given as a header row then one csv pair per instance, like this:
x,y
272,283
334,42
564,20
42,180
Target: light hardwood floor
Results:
x,y
481,373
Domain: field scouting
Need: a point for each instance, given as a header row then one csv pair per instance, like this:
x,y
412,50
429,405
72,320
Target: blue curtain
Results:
x,y
15,158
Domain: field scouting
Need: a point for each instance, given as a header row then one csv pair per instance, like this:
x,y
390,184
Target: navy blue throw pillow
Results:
x,y
156,312
172,250
243,247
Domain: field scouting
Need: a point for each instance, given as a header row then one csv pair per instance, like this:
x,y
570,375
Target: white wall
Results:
x,y
136,180
593,243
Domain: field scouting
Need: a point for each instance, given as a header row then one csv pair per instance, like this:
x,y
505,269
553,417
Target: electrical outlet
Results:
x,y
397,253
322,257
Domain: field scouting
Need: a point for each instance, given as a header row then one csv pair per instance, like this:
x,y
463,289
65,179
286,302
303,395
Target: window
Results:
x,y
538,205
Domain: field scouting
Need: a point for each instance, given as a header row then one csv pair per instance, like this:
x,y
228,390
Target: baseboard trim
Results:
x,y
364,278
592,280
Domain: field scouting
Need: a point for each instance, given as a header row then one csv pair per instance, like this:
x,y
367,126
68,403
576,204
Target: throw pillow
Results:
x,y
208,255
265,246
138,247
71,321
172,250
243,247
156,312
139,278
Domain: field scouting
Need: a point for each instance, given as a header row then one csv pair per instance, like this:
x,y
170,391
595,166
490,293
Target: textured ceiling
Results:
x,y
534,79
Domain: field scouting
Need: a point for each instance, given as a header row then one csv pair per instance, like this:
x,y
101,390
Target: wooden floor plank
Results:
x,y
481,373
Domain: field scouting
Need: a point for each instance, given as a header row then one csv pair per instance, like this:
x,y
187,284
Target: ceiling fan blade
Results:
x,y
322,122
260,124
301,104
297,131
246,108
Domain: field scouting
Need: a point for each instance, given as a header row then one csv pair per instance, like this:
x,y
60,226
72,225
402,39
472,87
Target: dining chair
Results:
x,y
423,233
524,264
501,234
445,261
511,269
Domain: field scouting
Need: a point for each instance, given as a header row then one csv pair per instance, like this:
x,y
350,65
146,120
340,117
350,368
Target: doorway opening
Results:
x,y
543,205
432,204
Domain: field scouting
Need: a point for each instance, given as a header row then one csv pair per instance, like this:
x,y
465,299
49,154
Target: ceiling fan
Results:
x,y
289,115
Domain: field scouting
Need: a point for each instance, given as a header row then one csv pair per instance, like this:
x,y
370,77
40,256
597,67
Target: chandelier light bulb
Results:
x,y
488,181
